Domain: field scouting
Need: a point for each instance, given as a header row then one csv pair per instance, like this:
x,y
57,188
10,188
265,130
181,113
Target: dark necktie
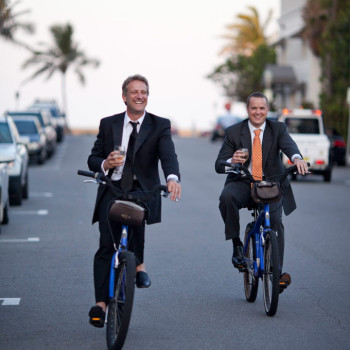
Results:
x,y
128,173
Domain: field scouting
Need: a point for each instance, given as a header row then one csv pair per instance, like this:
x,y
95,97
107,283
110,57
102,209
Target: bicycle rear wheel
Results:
x,y
271,274
251,282
120,307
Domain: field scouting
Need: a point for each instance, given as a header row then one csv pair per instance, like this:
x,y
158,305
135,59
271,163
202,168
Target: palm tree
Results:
x,y
59,57
246,35
9,23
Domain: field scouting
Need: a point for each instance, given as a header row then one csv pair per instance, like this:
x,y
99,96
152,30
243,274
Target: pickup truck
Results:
x,y
306,128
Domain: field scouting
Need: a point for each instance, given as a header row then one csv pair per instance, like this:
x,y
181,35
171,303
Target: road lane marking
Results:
x,y
41,194
19,240
10,301
31,212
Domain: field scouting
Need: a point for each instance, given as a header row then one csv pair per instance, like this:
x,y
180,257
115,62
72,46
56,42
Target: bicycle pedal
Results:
x,y
242,268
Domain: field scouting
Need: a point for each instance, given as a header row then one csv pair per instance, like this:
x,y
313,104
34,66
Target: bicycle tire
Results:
x,y
120,307
251,282
271,274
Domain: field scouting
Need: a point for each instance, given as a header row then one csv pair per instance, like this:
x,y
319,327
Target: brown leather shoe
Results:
x,y
285,281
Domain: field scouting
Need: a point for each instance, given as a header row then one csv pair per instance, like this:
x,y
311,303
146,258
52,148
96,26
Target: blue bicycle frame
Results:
x,y
259,233
115,261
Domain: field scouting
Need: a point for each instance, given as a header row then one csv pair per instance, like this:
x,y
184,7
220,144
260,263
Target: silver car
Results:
x,y
58,119
45,122
15,153
36,138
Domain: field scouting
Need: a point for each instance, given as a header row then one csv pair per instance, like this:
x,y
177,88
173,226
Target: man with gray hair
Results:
x,y
152,143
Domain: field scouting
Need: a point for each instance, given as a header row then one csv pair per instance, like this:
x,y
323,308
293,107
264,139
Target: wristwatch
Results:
x,y
297,157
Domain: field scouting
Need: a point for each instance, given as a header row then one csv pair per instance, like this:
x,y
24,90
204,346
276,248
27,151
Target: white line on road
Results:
x,y
41,194
31,212
10,301
18,240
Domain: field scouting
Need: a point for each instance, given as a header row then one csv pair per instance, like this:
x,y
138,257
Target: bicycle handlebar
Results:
x,y
101,178
238,167
92,175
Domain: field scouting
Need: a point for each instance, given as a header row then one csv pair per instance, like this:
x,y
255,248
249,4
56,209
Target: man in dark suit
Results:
x,y
151,142
273,138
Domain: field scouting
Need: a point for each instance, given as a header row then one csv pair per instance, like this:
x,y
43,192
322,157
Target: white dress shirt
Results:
x,y
252,135
127,130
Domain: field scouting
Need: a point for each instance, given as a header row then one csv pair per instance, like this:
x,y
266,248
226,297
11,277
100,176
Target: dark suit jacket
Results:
x,y
153,143
275,138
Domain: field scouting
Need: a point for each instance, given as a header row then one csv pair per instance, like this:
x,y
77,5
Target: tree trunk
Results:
x,y
64,101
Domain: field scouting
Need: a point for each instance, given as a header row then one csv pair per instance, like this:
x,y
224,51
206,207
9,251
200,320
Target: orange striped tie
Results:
x,y
257,156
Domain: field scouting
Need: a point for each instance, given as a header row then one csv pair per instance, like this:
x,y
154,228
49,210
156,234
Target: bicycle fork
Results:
x,y
115,261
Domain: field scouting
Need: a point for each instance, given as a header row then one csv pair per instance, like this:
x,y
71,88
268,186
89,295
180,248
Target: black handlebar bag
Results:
x,y
127,213
266,192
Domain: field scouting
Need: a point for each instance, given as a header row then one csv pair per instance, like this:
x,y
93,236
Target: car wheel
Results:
x,y
41,157
25,187
15,195
327,176
5,218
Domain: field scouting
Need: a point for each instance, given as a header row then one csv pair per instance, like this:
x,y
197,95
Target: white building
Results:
x,y
296,77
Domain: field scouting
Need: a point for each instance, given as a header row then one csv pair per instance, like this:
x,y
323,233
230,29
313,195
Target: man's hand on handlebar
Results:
x,y
301,165
175,189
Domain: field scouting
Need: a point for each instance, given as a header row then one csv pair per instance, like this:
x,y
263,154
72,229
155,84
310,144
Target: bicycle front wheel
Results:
x,y
120,307
271,274
251,282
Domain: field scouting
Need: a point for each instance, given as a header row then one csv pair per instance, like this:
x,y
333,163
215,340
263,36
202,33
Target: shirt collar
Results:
x,y
127,119
252,128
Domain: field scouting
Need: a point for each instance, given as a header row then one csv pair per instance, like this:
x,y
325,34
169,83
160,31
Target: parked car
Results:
x,y
44,120
14,152
338,147
4,194
36,138
59,120
222,123
273,116
305,126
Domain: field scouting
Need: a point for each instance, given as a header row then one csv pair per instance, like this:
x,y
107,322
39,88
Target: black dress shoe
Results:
x,y
142,280
285,281
97,316
238,257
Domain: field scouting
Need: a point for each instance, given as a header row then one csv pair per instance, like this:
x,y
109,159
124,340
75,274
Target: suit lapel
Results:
x,y
145,129
117,129
246,140
267,143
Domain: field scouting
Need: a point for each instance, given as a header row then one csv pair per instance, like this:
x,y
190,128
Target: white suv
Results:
x,y
14,152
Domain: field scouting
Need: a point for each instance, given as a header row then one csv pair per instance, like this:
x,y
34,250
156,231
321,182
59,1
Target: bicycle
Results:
x,y
128,210
261,253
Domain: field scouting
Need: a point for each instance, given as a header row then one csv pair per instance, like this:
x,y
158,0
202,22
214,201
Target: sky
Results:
x,y
175,44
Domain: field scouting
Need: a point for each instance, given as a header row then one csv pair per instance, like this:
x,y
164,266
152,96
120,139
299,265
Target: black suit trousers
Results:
x,y
104,254
235,196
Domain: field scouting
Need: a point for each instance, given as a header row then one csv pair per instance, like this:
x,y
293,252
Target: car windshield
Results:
x,y
303,125
33,115
26,127
5,134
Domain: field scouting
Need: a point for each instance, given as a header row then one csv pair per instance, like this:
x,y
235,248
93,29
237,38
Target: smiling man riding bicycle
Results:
x,y
147,140
264,139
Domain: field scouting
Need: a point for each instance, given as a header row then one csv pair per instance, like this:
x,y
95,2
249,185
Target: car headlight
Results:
x,y
11,164
33,146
